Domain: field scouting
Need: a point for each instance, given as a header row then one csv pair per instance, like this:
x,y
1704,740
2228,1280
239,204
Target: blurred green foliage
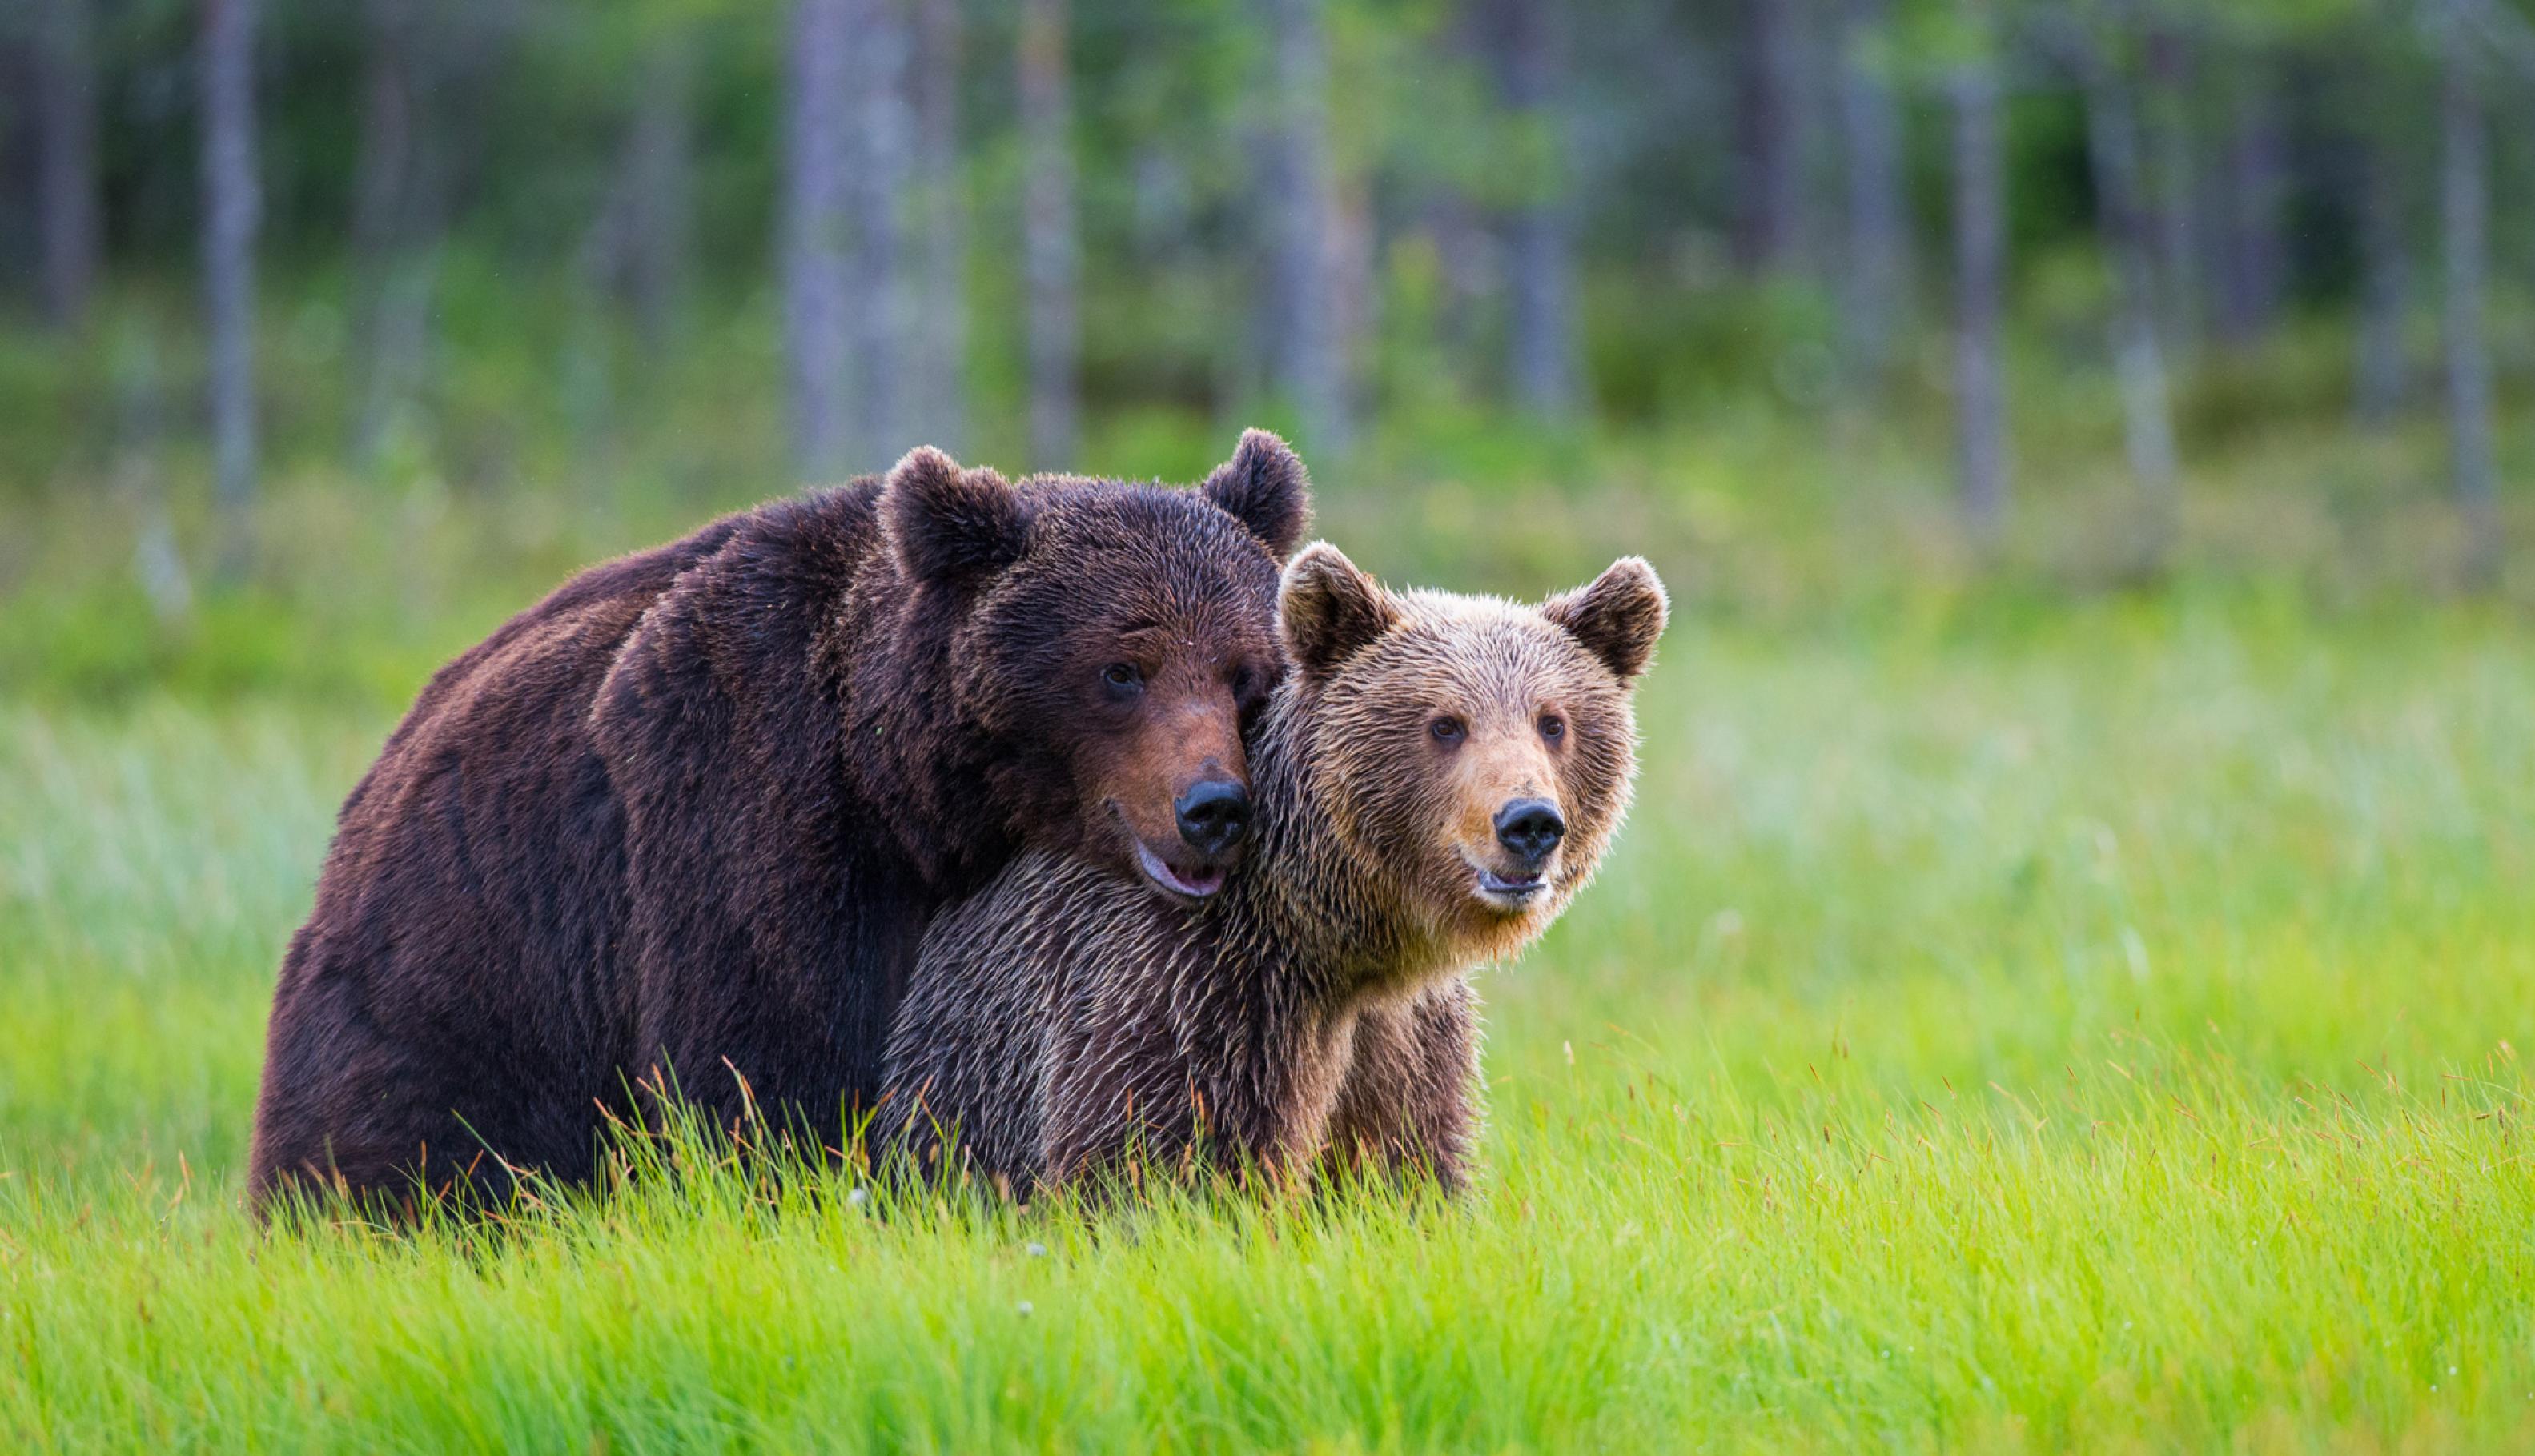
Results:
x,y
1727,426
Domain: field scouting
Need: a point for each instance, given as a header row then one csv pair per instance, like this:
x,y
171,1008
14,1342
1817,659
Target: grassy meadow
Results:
x,y
2025,1012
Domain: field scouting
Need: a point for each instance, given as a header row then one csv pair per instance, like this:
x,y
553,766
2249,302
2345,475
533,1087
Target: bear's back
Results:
x,y
461,957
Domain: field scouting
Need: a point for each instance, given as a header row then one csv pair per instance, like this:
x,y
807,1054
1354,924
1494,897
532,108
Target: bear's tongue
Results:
x,y
1195,883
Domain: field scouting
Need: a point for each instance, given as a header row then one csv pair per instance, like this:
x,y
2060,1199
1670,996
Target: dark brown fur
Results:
x,y
1066,1019
694,810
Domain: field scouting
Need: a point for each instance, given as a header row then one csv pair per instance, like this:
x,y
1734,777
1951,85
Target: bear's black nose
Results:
x,y
1213,815
1531,829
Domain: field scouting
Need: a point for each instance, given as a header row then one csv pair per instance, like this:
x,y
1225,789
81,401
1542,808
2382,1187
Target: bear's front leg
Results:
x,y
1116,1093
1409,1105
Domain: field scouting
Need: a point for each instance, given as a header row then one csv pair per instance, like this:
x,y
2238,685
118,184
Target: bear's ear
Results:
x,y
1265,487
1618,617
1328,610
949,524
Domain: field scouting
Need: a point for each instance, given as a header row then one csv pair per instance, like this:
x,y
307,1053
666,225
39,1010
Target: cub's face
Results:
x,y
1117,641
1477,753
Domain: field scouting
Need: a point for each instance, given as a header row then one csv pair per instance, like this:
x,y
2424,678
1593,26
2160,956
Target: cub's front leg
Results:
x,y
1116,1093
1409,1105
1169,1065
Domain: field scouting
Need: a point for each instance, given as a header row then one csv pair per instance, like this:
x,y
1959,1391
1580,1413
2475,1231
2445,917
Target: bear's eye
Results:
x,y
1122,677
1449,730
1552,727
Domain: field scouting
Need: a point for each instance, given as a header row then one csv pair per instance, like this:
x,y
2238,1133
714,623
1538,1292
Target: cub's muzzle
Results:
x,y
1530,829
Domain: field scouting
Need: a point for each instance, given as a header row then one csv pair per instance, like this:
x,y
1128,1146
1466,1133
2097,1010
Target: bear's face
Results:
x,y
1114,644
1476,754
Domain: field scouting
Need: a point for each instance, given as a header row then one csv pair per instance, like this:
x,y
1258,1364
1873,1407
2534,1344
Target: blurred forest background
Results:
x,y
330,331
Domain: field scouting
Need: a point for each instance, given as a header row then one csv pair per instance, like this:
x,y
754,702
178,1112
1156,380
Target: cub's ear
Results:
x,y
1328,610
1265,487
949,524
1618,617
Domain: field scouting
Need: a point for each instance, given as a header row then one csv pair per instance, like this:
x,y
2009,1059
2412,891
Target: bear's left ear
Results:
x,y
949,524
1265,487
1618,617
1328,610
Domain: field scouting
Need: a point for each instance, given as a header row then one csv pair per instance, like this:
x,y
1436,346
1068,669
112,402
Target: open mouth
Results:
x,y
1193,885
1508,891
1197,884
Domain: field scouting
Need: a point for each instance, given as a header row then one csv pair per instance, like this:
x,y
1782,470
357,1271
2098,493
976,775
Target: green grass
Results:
x,y
2086,1024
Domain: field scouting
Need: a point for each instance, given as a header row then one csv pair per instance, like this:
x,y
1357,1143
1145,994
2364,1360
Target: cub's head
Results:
x,y
1475,754
1112,644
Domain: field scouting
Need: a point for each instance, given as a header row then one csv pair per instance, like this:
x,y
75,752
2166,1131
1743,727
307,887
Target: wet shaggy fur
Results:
x,y
1068,1021
691,813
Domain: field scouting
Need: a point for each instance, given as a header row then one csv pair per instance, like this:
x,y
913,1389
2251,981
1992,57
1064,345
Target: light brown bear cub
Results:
x,y
1435,778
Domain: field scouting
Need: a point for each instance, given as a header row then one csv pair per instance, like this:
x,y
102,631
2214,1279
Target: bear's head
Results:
x,y
1112,642
1473,755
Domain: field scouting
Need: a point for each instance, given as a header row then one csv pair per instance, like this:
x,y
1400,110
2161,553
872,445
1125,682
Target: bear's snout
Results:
x,y
1531,830
1213,815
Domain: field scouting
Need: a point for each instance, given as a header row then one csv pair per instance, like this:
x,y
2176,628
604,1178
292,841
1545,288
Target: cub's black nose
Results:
x,y
1213,815
1530,827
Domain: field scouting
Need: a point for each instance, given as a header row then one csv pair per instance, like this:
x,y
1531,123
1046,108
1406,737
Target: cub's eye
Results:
x,y
1449,730
1552,727
1122,677
1244,682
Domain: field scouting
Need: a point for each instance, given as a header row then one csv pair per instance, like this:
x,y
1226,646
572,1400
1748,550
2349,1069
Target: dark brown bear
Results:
x,y
694,810
1437,778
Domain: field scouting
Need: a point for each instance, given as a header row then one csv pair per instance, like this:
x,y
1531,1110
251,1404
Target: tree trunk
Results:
x,y
2465,212
636,249
2178,201
400,347
1049,262
140,428
1353,293
2383,283
2148,423
395,219
660,186
880,304
1875,283
1980,266
2253,260
231,203
1466,252
1768,229
1530,56
816,239
67,207
1543,314
382,178
1306,366
941,183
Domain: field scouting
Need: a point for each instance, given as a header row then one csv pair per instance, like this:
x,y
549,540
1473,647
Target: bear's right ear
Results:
x,y
1265,487
1328,610
1617,617
949,524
